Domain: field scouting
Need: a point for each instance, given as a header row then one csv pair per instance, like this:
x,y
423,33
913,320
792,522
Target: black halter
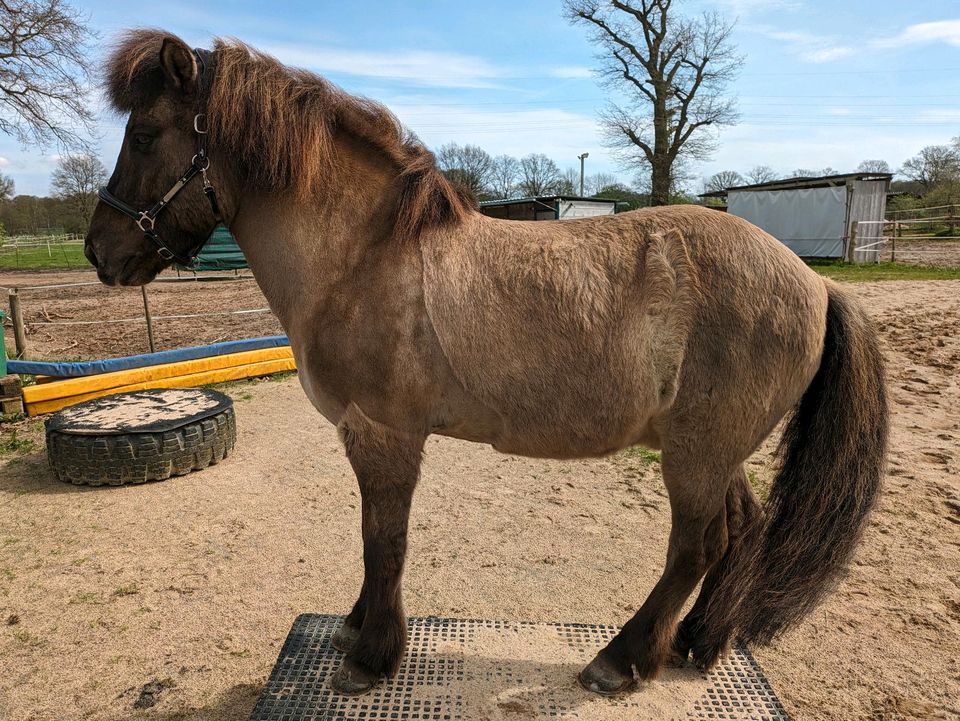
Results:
x,y
146,219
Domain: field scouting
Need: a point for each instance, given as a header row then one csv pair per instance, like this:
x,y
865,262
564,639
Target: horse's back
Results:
x,y
576,332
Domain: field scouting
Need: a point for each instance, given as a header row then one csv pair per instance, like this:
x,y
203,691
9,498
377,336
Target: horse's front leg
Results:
x,y
387,464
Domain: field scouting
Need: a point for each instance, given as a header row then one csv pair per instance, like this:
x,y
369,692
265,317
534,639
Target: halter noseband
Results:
x,y
146,219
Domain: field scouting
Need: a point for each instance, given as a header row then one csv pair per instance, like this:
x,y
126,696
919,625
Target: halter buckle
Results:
x,y
206,162
165,253
200,127
145,222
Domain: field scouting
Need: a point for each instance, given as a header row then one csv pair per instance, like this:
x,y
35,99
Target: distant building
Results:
x,y
547,207
814,216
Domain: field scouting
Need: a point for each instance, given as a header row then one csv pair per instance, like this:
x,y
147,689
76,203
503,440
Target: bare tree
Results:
x,y
539,175
7,187
874,166
504,174
468,165
44,72
761,174
723,180
674,70
569,182
934,165
76,179
599,182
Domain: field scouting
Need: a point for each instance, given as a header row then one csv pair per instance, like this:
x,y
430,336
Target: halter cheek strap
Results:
x,y
146,219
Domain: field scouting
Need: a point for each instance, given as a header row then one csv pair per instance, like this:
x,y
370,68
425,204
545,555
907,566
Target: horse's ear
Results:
x,y
179,65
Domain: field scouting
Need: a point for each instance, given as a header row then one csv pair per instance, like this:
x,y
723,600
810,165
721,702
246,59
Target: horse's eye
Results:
x,y
142,141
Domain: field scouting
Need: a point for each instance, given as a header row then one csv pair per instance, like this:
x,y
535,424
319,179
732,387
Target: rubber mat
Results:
x,y
472,670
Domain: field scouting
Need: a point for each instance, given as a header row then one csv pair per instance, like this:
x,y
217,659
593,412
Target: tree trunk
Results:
x,y
660,182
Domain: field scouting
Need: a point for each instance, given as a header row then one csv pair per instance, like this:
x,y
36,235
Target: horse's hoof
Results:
x,y
601,677
344,638
352,679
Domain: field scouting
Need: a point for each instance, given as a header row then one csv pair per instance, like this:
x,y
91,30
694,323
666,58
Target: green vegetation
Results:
x,y
865,272
58,256
14,444
644,456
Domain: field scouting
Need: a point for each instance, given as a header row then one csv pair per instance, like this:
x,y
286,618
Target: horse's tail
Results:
x,y
832,454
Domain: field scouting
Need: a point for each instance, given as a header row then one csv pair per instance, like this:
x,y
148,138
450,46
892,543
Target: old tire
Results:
x,y
135,451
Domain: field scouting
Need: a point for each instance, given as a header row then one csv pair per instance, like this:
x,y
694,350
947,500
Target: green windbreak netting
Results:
x,y
221,252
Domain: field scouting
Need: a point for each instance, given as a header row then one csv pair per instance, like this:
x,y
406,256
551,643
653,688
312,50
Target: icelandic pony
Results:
x,y
410,313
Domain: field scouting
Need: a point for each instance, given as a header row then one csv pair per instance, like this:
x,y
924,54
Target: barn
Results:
x,y
816,217
548,207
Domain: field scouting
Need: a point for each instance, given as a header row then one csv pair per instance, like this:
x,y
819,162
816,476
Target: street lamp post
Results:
x,y
582,158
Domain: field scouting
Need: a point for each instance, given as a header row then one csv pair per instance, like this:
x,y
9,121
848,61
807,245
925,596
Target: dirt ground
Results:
x,y
49,312
170,601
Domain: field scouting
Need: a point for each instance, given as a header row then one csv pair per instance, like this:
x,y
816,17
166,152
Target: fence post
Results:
x,y
897,230
146,313
19,330
852,243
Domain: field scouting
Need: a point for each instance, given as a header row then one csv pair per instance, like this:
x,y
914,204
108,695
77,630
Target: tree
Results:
x,y
935,164
569,182
761,174
674,71
76,180
44,73
468,165
539,175
7,187
723,180
504,174
874,166
598,182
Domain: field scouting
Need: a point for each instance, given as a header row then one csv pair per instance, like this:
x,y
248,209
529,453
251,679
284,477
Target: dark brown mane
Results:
x,y
279,123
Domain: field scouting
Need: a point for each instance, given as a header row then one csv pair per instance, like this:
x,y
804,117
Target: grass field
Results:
x,y
866,272
60,255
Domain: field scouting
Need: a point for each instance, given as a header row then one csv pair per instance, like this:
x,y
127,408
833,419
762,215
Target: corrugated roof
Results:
x,y
543,199
822,181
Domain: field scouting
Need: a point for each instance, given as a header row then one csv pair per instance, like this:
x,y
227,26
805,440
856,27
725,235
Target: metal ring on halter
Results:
x,y
145,218
202,168
196,124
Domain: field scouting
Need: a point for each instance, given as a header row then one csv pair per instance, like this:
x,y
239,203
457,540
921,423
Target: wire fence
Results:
x,y
22,299
24,252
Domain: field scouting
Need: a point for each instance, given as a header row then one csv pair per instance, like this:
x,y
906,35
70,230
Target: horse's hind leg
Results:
x,y
743,510
698,538
387,465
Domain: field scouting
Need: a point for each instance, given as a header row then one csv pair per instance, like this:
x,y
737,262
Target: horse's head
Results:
x,y
154,211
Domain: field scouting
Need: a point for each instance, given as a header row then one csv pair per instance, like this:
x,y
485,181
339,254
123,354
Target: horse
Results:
x,y
410,313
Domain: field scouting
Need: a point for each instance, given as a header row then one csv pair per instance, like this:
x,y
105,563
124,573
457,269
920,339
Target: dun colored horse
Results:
x,y
410,313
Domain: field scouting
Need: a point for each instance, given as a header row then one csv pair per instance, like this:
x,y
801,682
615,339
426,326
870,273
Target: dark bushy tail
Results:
x,y
833,453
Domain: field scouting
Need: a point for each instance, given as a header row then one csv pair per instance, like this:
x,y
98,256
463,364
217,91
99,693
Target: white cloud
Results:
x,y
809,47
571,72
946,31
4,162
415,67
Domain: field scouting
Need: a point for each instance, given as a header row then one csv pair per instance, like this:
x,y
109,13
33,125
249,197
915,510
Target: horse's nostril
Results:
x,y
91,256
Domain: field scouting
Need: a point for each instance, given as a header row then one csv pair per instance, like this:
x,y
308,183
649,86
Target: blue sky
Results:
x,y
825,82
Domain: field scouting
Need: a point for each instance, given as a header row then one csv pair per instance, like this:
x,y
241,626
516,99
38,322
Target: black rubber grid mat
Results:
x,y
457,670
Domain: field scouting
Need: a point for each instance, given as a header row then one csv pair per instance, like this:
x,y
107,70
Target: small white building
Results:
x,y
815,217
549,207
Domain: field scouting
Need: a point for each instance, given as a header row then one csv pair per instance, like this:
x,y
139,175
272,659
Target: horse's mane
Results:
x,y
279,123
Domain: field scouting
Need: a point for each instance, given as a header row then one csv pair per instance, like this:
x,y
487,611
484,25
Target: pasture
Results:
x,y
170,601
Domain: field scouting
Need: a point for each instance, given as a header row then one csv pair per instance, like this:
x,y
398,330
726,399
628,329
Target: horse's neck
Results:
x,y
300,250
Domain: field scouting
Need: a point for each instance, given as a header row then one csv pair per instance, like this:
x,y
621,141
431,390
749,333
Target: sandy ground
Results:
x,y
180,593
49,312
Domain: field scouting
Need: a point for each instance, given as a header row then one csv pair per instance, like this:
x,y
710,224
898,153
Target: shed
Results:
x,y
548,207
814,217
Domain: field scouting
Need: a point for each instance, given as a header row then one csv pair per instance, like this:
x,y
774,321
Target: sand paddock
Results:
x,y
170,601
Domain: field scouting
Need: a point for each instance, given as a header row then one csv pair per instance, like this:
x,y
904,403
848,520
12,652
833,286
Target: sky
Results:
x,y
825,83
